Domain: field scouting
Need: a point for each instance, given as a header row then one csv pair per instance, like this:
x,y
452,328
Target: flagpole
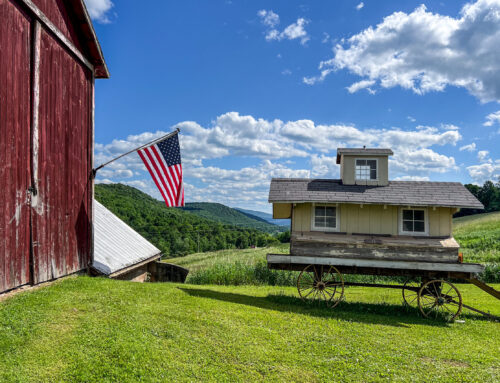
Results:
x,y
94,171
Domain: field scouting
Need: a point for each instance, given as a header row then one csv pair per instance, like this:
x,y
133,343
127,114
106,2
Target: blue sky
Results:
x,y
265,89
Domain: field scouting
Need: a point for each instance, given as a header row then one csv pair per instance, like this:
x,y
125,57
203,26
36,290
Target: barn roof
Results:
x,y
89,37
414,193
116,245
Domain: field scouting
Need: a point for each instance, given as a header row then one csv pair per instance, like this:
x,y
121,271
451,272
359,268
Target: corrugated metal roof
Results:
x,y
117,245
415,193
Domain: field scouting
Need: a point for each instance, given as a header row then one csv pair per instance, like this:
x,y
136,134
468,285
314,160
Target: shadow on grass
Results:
x,y
373,313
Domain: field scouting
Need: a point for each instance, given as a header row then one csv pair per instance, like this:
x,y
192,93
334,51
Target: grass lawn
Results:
x,y
96,329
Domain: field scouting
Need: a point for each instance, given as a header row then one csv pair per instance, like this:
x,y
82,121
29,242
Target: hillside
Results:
x,y
226,215
265,216
175,231
479,239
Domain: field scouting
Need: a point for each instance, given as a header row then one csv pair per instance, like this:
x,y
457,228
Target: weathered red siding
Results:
x,y
14,145
46,133
61,216
57,13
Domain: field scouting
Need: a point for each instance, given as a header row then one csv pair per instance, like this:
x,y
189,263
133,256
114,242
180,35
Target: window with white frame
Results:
x,y
366,169
324,218
413,221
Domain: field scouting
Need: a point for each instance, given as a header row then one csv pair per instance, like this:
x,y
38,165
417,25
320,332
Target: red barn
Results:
x,y
49,58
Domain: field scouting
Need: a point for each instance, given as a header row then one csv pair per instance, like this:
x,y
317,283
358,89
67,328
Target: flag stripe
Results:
x,y
152,174
164,167
150,155
156,177
163,161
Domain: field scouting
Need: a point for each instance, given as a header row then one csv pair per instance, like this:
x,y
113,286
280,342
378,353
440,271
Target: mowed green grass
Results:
x,y
86,329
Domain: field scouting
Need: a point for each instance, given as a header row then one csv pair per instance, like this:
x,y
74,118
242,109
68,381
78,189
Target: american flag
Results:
x,y
163,161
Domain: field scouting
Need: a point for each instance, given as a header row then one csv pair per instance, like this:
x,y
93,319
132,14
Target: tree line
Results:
x,y
488,195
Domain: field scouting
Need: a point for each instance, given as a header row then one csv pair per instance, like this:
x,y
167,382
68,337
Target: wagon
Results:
x,y
363,223
427,285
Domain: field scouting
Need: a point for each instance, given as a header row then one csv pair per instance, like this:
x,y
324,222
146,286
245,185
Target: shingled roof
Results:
x,y
414,193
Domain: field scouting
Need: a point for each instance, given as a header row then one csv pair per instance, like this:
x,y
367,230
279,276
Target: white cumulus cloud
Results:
x,y
98,9
492,118
257,149
488,171
292,32
360,6
468,148
424,51
483,155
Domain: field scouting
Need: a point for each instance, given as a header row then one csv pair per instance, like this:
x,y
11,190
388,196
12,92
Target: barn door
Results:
x,y
15,111
61,163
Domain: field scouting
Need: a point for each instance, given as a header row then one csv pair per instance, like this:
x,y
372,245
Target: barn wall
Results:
x,y
15,110
62,208
56,12
373,219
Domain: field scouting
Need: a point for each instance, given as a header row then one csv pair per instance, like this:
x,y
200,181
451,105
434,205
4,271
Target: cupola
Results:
x,y
364,166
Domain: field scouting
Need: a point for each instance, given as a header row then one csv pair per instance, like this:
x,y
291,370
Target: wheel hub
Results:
x,y
320,285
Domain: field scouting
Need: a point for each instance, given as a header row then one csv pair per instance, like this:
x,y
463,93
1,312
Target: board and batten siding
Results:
x,y
282,210
373,219
347,170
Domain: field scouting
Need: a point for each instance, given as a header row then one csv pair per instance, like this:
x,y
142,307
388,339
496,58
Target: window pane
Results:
x,y
319,211
418,215
407,225
408,215
319,222
330,212
373,174
419,226
360,162
331,222
372,164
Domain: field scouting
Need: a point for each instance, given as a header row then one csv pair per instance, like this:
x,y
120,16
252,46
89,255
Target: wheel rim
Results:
x,y
321,283
440,298
410,292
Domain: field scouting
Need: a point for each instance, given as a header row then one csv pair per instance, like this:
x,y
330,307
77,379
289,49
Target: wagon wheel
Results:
x,y
439,297
321,283
410,292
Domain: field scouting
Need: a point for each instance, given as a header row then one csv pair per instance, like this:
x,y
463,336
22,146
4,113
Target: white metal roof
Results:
x,y
116,245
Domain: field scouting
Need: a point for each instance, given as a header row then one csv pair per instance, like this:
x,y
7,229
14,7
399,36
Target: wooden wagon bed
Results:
x,y
397,248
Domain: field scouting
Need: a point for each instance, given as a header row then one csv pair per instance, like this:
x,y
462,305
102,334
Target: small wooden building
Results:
x,y
364,215
49,58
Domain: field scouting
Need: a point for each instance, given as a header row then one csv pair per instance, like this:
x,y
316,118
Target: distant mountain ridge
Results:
x,y
226,215
265,216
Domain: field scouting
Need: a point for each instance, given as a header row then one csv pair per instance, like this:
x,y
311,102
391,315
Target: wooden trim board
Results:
x,y
424,266
44,20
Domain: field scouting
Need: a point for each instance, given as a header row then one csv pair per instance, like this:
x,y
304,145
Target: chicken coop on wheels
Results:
x,y
365,224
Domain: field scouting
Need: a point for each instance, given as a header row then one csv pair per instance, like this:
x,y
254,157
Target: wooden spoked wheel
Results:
x,y
321,283
439,298
410,292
